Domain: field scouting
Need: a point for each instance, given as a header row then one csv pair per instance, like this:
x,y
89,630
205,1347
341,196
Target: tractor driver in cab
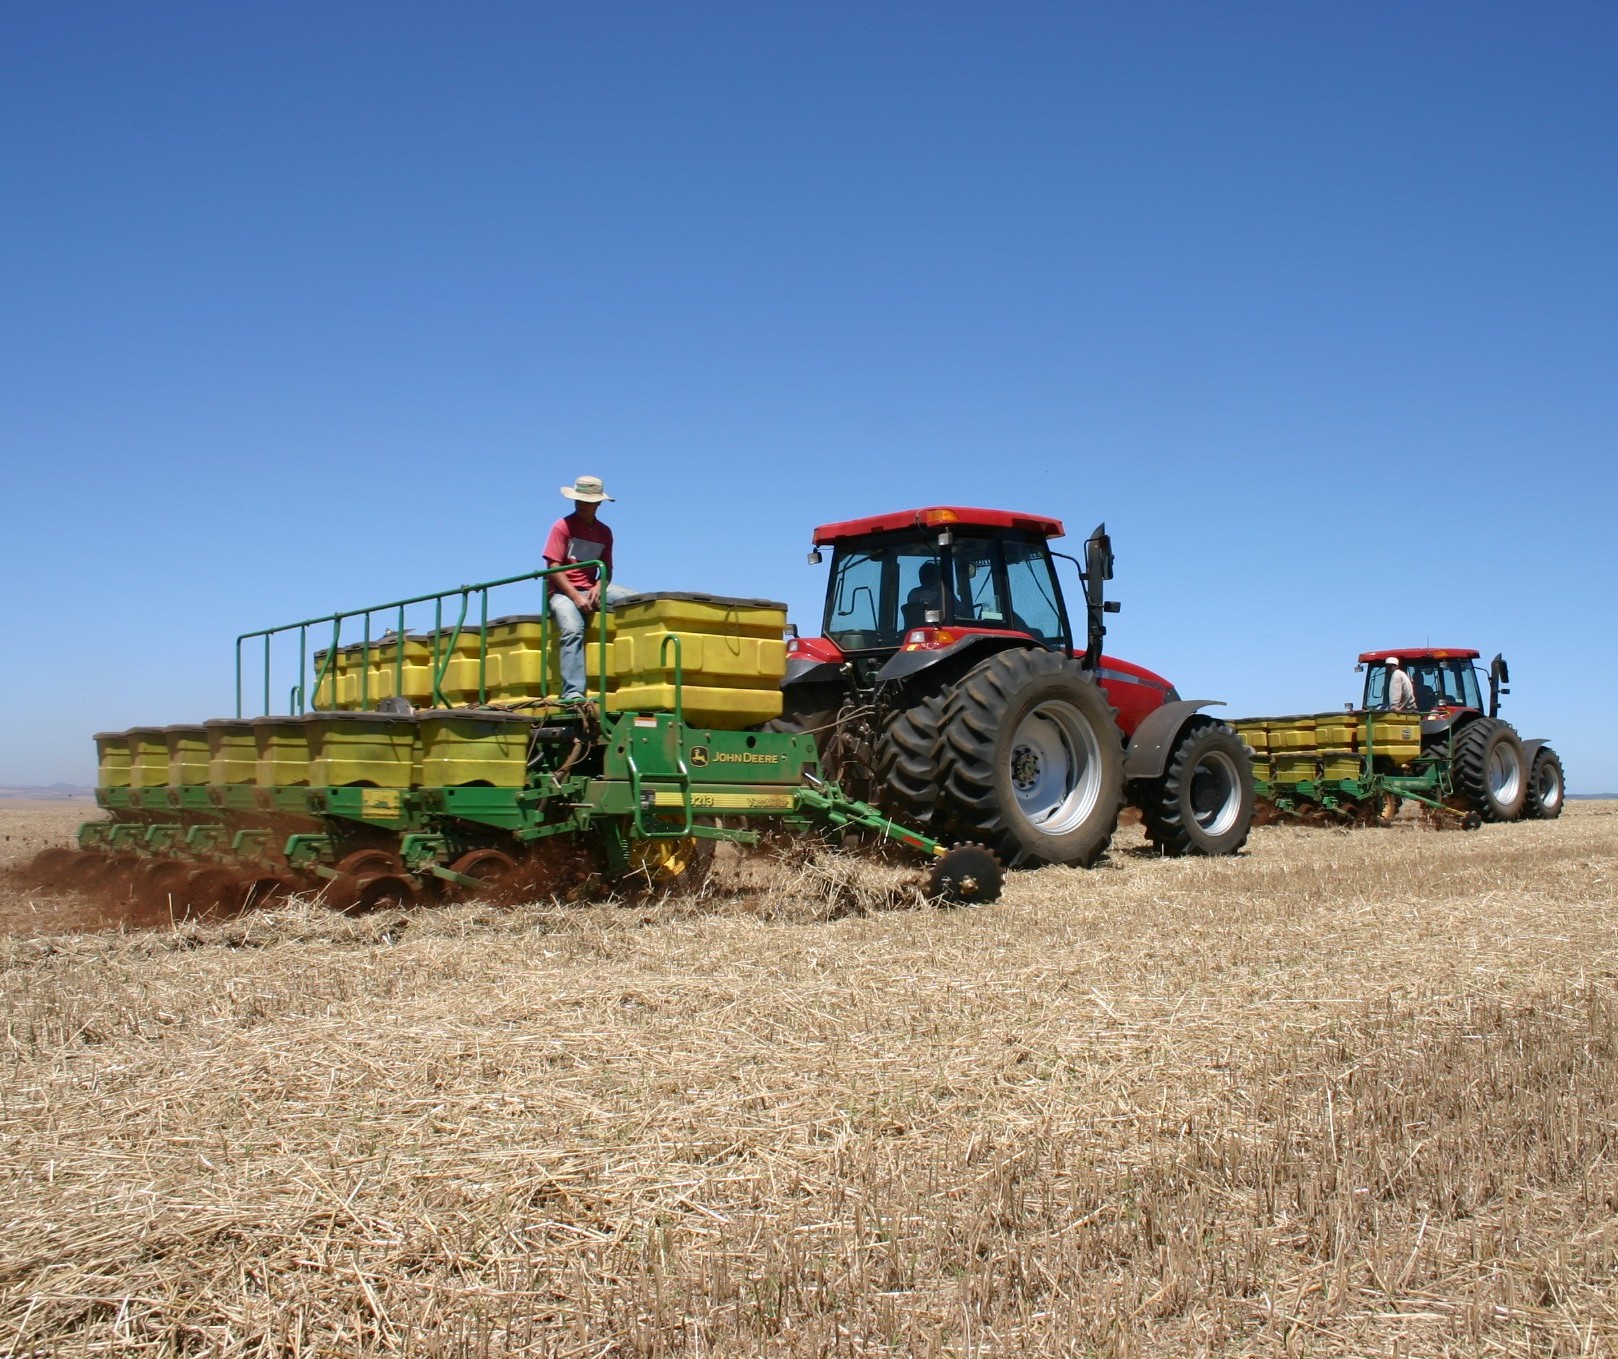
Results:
x,y
925,604
1401,692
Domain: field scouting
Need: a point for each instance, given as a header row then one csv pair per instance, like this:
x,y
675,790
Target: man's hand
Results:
x,y
585,599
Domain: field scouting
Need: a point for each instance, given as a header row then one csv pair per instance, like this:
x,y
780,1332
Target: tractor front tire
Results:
x,y
1546,790
1203,803
1491,770
1032,760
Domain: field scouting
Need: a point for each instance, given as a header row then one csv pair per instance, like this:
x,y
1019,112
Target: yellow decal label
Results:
x,y
379,802
734,802
701,757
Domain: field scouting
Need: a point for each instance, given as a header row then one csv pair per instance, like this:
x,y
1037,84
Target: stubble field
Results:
x,y
1350,1093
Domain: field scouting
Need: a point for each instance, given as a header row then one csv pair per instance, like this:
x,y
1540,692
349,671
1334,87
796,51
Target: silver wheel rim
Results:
x,y
1216,793
1550,787
1055,768
1504,773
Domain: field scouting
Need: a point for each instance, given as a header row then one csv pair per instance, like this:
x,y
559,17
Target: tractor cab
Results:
x,y
1445,679
939,589
941,572
907,588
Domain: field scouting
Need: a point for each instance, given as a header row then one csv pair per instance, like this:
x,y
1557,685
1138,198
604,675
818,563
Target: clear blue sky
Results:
x,y
308,305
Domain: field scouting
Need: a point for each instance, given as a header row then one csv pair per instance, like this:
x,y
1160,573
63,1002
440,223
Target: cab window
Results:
x,y
973,584
1448,683
855,602
1035,602
875,589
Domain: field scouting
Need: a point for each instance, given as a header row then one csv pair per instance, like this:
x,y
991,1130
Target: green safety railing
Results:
x,y
444,642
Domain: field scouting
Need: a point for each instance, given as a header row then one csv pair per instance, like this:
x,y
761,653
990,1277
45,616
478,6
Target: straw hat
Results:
x,y
586,488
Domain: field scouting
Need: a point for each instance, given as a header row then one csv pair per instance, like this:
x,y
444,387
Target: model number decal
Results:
x,y
738,802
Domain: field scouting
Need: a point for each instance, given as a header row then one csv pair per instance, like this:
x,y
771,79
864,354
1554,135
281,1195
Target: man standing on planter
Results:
x,y
576,594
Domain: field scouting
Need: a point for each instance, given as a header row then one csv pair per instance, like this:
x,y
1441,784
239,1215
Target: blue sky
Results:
x,y
305,306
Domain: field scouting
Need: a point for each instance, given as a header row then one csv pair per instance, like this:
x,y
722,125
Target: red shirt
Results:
x,y
572,540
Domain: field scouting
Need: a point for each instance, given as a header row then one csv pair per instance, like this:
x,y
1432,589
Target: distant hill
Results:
x,y
48,790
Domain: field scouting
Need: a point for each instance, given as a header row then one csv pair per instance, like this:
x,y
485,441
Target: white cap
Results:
x,y
1391,660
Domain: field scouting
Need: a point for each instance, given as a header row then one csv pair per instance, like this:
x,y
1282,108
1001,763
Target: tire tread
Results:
x,y
1161,801
1470,773
973,716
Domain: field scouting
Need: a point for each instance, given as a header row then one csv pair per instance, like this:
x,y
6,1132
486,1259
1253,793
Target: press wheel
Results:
x,y
496,871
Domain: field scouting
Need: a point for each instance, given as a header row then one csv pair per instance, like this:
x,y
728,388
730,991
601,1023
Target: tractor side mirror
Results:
x,y
814,557
1098,560
1499,677
1098,564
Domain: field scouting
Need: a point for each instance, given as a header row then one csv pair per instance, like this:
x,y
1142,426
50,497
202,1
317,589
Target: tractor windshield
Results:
x,y
882,589
1438,683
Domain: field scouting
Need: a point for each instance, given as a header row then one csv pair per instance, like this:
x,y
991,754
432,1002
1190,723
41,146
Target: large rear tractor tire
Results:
x,y
1032,760
1491,770
1203,804
1546,790
907,762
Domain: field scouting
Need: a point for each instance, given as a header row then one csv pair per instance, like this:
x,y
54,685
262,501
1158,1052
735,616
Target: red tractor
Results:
x,y
1494,771
948,688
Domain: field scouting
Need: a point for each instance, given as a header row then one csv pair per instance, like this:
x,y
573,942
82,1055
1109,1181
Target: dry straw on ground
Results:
x,y
1353,1092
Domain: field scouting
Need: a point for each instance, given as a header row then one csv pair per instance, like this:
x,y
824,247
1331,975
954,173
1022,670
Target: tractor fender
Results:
x,y
903,664
807,670
1438,726
1530,748
1147,754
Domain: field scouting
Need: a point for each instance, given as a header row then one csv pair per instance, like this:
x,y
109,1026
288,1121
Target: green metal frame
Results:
x,y
298,701
658,779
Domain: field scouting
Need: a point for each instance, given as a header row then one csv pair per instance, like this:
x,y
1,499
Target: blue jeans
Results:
x,y
570,627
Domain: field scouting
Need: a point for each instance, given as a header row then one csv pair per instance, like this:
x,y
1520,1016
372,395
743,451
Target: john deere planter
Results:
x,y
438,762
1448,752
1356,766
